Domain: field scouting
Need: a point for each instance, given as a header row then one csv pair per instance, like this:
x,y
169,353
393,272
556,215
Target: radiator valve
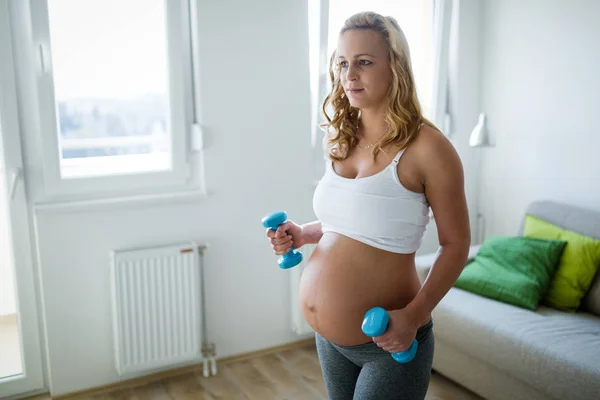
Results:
x,y
209,354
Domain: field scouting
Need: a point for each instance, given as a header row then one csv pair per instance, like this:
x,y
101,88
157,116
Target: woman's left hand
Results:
x,y
400,333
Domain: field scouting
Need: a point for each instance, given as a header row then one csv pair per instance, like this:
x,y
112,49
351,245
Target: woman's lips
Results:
x,y
354,91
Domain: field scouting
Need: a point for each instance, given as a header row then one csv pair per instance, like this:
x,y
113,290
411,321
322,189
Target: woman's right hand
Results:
x,y
289,234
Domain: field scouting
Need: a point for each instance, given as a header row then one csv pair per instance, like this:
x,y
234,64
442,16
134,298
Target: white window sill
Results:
x,y
86,167
112,203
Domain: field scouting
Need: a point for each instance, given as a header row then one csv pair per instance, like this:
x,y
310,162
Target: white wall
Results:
x,y
541,90
255,98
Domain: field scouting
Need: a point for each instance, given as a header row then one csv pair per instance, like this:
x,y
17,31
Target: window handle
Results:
x,y
43,59
16,177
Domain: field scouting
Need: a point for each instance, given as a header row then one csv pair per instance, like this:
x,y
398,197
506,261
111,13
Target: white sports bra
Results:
x,y
377,209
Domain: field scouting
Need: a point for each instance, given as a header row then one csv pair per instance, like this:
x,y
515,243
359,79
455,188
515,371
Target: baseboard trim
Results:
x,y
38,395
270,350
135,382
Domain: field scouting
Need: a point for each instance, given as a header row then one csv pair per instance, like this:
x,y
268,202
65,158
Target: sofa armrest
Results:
x,y
424,262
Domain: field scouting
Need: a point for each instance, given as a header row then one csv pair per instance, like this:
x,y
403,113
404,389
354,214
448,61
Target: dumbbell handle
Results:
x,y
376,322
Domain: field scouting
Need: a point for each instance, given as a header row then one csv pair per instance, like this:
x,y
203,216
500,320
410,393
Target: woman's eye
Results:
x,y
344,64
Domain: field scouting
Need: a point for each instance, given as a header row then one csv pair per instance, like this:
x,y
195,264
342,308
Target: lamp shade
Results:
x,y
480,136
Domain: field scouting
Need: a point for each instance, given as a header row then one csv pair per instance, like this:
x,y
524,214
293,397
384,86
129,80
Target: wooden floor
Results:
x,y
292,374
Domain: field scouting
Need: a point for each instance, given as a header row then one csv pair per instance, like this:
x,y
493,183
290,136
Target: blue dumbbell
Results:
x,y
291,258
376,322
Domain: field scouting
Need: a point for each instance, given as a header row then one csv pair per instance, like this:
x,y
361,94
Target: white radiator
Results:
x,y
299,325
158,307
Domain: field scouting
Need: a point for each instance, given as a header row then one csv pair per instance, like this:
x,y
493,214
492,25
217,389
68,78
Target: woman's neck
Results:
x,y
373,125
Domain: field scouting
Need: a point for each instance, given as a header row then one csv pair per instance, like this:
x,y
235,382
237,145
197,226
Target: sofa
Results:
x,y
501,351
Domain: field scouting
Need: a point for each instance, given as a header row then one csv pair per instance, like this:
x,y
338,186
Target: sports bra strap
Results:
x,y
397,158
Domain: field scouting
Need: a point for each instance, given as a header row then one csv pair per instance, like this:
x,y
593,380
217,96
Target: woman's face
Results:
x,y
364,68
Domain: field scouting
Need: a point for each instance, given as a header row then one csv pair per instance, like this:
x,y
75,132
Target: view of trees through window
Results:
x,y
105,118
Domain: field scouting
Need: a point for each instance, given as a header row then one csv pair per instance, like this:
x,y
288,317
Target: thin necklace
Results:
x,y
372,144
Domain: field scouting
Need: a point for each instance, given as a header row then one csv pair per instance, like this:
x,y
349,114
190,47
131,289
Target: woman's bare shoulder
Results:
x,y
430,139
431,148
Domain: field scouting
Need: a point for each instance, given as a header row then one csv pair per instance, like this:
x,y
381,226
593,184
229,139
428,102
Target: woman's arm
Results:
x,y
443,179
312,232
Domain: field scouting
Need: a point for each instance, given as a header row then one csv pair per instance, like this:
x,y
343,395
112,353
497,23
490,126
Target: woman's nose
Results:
x,y
351,73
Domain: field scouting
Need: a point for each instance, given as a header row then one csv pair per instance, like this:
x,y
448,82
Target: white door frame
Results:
x,y
32,378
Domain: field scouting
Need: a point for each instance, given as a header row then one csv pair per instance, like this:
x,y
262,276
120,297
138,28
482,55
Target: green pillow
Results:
x,y
577,267
515,270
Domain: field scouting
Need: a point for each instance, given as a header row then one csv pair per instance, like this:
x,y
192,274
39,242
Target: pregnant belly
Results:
x,y
345,278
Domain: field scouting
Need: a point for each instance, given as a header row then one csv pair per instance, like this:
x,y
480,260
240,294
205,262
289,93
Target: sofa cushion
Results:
x,y
577,219
578,264
554,351
515,270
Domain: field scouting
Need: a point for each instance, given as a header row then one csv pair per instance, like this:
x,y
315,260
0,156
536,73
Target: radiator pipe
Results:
x,y
209,352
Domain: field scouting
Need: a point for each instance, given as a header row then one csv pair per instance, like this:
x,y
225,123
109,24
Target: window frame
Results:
x,y
318,11
181,113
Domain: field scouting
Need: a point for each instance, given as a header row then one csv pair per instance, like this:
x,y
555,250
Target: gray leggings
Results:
x,y
367,372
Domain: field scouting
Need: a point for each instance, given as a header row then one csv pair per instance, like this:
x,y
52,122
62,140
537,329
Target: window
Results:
x,y
422,30
116,108
111,96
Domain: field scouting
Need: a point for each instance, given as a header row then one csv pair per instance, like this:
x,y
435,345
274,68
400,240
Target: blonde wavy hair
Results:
x,y
404,115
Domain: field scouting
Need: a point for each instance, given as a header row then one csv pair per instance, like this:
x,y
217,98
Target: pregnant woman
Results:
x,y
387,167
